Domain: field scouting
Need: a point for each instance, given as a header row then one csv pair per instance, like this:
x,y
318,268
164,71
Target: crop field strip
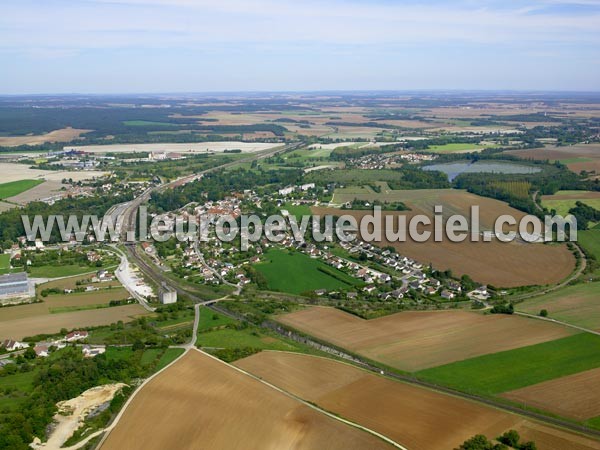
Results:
x,y
416,417
415,340
510,370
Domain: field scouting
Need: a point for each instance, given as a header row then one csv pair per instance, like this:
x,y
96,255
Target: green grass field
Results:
x,y
452,148
297,210
16,187
59,271
296,273
170,355
525,366
589,240
578,305
247,337
562,206
4,261
211,319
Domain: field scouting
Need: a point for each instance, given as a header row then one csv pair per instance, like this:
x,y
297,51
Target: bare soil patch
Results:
x,y
415,340
576,396
496,263
417,418
52,323
202,403
62,135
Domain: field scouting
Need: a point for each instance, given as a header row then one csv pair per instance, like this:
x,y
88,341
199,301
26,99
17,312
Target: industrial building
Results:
x,y
14,284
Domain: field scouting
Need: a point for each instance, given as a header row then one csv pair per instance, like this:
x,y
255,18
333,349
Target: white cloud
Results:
x,y
68,26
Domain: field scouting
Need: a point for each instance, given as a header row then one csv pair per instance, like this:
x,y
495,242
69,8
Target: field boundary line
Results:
x,y
558,322
115,422
310,405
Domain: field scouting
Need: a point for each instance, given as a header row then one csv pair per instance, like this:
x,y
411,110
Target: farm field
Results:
x,y
514,369
296,273
17,172
207,401
16,187
577,157
43,190
52,323
62,135
417,418
563,201
67,270
62,301
415,340
202,147
574,396
459,148
503,265
56,311
578,305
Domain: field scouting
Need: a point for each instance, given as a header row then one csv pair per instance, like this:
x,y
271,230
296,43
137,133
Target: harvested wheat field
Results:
x,y
415,340
62,135
576,396
200,402
416,418
52,323
500,264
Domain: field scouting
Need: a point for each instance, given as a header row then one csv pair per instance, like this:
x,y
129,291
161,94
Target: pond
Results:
x,y
455,169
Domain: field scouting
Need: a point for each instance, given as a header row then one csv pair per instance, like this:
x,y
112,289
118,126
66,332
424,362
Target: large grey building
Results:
x,y
14,284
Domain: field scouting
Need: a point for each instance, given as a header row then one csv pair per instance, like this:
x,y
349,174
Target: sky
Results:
x,y
158,46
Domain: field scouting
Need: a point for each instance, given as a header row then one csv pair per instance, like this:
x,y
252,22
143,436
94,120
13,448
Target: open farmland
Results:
x,y
415,340
496,263
201,147
574,396
63,135
417,418
16,187
53,323
17,172
578,305
202,402
577,157
56,311
514,369
563,201
296,273
460,148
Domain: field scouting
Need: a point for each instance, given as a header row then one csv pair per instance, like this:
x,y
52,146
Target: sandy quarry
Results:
x,y
72,413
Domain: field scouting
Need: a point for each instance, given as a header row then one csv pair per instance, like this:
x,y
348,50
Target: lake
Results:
x,y
455,169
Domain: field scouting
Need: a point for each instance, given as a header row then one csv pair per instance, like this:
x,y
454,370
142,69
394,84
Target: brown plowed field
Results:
x,y
417,418
576,396
62,135
201,403
416,340
52,323
496,263
578,157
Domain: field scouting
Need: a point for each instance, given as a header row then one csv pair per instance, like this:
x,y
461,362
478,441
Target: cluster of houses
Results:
x,y
43,349
388,160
